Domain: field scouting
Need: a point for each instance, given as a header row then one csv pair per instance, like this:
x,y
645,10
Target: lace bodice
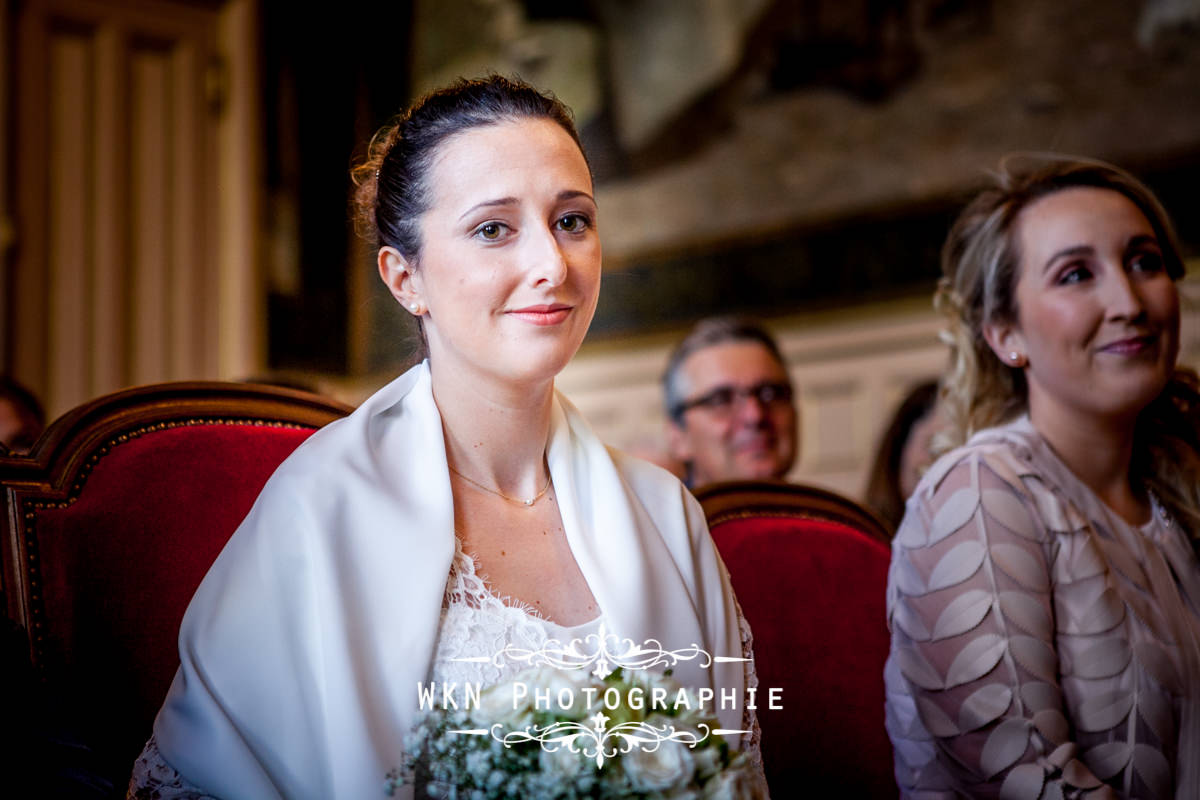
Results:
x,y
476,622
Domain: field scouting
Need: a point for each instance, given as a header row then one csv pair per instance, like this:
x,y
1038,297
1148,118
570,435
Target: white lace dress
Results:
x,y
475,621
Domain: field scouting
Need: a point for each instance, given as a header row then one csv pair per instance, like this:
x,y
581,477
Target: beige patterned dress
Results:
x,y
1041,646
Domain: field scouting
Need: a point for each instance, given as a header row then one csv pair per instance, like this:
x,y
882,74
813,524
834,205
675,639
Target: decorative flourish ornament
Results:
x,y
603,651
597,742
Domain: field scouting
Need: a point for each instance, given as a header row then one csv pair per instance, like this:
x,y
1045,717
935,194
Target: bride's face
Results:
x,y
509,267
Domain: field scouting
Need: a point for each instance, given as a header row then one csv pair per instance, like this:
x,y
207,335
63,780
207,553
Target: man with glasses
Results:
x,y
729,403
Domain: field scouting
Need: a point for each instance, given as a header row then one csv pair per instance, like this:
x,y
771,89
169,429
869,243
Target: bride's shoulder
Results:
x,y
643,474
659,493
370,441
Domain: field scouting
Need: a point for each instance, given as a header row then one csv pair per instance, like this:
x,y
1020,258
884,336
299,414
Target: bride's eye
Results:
x,y
491,231
573,223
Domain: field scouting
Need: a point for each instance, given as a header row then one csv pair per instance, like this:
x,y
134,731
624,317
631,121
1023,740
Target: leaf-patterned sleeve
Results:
x,y
974,703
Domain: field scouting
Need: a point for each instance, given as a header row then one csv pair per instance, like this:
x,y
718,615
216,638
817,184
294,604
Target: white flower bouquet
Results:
x,y
565,734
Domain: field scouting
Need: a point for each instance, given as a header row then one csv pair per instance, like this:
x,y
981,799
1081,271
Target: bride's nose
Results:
x,y
544,258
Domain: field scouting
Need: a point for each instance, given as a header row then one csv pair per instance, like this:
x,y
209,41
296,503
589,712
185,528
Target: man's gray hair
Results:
x,y
706,333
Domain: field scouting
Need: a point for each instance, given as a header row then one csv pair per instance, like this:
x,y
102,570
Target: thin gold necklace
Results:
x,y
498,493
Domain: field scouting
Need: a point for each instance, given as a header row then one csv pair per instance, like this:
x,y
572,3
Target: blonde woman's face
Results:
x,y
1098,315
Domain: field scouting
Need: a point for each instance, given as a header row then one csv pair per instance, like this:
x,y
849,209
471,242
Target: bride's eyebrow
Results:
x,y
571,194
501,201
566,194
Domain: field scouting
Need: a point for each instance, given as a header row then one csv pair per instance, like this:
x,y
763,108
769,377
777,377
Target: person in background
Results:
x,y
21,416
904,452
1044,592
729,404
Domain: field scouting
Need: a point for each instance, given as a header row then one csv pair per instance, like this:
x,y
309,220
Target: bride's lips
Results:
x,y
551,314
1134,345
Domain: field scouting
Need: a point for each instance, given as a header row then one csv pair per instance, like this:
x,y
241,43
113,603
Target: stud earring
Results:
x,y
413,307
1015,358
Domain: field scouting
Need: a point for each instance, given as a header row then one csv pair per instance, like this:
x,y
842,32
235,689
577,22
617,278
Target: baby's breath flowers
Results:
x,y
515,745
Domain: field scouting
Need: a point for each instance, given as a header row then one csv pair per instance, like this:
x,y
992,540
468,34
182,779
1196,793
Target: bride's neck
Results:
x,y
495,434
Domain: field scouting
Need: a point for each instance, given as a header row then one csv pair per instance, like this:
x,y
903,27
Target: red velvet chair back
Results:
x,y
112,521
810,570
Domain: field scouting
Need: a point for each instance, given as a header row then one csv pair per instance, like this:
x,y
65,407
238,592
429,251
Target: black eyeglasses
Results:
x,y
724,399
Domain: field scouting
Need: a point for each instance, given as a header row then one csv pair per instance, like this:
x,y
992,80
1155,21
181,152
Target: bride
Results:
x,y
463,507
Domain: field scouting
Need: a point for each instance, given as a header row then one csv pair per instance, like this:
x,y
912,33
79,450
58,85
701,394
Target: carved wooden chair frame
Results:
x,y
54,473
740,499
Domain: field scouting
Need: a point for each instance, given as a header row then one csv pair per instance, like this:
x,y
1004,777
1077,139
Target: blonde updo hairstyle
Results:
x,y
980,269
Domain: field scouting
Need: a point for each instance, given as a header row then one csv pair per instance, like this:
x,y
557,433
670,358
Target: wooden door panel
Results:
x,y
117,166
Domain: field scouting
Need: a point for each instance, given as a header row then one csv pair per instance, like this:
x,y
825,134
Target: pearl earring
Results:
x,y
414,306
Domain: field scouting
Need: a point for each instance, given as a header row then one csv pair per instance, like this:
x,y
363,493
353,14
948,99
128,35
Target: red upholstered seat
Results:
x,y
810,571
112,522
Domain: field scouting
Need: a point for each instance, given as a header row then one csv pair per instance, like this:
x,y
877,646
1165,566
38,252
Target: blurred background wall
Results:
x,y
173,188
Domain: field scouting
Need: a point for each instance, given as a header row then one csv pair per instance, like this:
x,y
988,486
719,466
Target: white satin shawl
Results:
x,y
302,649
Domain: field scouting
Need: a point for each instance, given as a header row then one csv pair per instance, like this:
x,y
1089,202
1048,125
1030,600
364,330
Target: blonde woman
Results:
x,y
1045,588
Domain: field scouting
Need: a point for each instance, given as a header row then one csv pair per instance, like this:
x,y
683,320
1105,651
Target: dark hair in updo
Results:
x,y
393,183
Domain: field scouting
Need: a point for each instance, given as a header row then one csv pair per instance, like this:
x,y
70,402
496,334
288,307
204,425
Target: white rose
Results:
x,y
497,704
542,675
562,763
688,712
708,761
669,766
691,715
565,687
650,679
